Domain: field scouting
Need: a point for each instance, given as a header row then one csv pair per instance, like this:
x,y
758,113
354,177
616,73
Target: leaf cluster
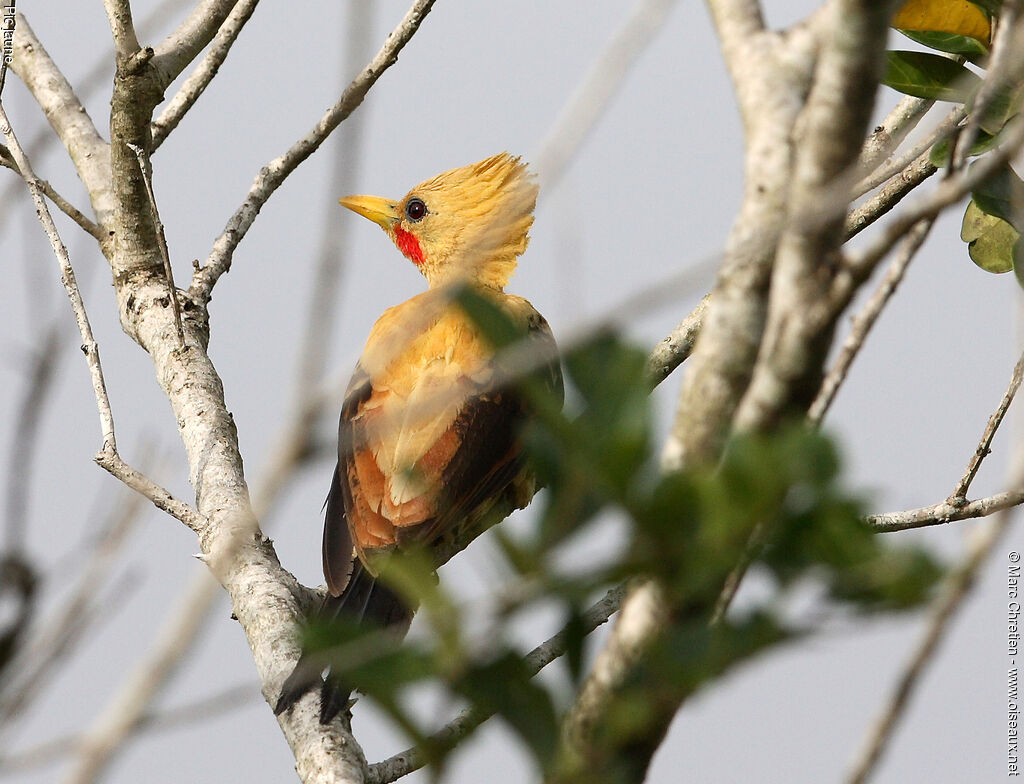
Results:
x,y
961,31
687,529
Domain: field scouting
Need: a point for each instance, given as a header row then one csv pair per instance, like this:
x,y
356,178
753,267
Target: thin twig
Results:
x,y
66,116
188,714
147,178
592,97
89,346
119,14
944,512
61,203
866,319
915,173
890,133
894,165
98,75
108,456
674,348
62,629
172,55
731,586
411,759
201,77
345,165
956,507
997,78
26,436
959,494
111,461
860,265
274,173
955,590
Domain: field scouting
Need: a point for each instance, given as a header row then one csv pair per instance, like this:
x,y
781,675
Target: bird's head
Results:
x,y
469,223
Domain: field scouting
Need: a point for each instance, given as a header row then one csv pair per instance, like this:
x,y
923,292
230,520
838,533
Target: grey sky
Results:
x,y
652,190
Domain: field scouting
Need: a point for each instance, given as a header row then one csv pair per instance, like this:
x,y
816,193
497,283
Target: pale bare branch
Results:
x,y
898,164
66,115
89,346
865,320
59,201
644,616
945,512
111,461
119,14
915,173
174,53
771,77
956,507
675,347
274,173
857,266
108,456
955,589
201,77
147,177
890,133
832,127
959,494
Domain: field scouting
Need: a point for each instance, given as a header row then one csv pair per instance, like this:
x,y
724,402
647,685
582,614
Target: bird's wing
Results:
x,y
426,443
337,546
489,464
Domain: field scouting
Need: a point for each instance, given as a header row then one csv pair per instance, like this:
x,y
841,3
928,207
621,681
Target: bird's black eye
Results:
x,y
415,209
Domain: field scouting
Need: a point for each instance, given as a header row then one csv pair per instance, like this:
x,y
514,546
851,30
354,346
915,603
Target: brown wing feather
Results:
x,y
337,545
470,463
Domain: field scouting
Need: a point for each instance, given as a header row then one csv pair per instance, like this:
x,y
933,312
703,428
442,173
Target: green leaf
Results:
x,y
939,155
1002,195
1018,262
493,322
991,6
504,686
410,572
964,45
614,427
947,16
1003,107
928,75
991,240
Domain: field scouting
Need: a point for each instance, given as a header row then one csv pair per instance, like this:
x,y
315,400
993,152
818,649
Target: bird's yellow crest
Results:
x,y
470,223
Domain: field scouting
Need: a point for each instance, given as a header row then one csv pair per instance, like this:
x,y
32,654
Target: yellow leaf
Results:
x,y
944,16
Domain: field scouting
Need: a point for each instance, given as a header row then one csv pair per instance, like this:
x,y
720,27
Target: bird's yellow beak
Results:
x,y
381,211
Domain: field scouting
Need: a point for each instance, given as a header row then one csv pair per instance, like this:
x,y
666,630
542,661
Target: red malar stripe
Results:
x,y
409,245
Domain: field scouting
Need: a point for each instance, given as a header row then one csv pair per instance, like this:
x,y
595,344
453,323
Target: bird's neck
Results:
x,y
493,274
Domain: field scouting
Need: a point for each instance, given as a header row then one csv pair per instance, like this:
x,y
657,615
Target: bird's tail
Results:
x,y
365,601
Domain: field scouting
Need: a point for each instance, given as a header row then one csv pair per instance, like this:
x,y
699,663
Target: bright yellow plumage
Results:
x,y
428,443
476,222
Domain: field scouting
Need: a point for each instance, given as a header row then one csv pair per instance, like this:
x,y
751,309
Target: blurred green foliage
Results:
x,y
686,528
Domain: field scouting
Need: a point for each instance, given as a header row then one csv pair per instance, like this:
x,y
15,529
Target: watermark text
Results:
x,y
1013,621
7,30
